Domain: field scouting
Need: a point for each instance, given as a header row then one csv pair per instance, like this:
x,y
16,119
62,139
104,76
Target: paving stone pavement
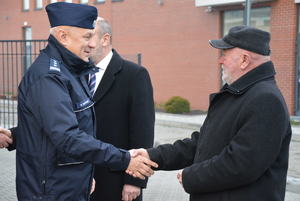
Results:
x,y
163,185
7,176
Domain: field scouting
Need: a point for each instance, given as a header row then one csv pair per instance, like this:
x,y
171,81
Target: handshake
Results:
x,y
140,165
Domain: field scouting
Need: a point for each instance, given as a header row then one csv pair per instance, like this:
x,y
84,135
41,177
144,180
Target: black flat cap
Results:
x,y
245,37
71,14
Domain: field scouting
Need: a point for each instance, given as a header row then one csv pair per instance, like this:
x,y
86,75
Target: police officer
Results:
x,y
55,134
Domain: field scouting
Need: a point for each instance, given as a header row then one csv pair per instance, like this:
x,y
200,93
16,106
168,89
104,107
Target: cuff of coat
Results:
x,y
185,181
125,159
155,157
190,181
142,183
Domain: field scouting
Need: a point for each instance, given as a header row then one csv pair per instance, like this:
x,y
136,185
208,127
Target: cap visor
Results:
x,y
220,44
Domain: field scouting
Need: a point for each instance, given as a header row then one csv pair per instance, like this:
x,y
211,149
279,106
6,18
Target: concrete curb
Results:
x,y
196,121
169,123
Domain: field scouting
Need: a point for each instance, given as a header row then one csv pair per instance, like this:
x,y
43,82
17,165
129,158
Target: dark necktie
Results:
x,y
92,83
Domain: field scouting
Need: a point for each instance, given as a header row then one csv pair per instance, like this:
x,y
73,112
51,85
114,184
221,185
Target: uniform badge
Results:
x,y
54,65
83,105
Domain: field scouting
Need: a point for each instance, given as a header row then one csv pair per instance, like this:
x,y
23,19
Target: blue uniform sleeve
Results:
x,y
51,103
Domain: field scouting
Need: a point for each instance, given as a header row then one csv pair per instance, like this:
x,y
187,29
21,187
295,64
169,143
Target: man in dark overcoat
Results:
x,y
124,114
241,151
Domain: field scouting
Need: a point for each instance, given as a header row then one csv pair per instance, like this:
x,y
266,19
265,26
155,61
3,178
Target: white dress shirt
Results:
x,y
102,65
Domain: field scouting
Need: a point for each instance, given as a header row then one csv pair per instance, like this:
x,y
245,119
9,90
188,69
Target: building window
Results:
x,y
116,0
84,1
39,4
260,18
25,4
100,1
68,1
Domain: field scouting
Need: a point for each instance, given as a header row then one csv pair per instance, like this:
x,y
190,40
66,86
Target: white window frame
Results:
x,y
216,2
26,4
224,2
38,4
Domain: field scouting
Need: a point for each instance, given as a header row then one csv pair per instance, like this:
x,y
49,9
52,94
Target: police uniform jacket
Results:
x,y
55,134
241,151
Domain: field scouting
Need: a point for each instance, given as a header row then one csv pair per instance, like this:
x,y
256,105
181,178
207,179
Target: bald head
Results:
x,y
75,39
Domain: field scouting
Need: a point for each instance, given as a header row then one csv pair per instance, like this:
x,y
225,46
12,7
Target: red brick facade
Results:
x,y
172,36
283,44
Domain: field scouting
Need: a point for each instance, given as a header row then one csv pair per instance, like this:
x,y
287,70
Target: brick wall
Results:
x,y
172,36
173,40
283,45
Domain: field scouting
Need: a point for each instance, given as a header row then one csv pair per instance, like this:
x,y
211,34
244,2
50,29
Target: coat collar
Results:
x,y
113,68
71,61
240,86
262,72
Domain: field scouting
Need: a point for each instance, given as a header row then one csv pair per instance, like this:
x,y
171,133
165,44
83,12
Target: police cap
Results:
x,y
71,14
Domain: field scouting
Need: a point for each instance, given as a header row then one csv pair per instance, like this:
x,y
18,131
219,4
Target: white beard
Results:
x,y
226,77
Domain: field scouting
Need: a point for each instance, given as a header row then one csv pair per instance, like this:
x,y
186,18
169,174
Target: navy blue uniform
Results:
x,y
56,144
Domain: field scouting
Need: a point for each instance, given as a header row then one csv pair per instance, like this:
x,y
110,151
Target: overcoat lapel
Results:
x,y
114,66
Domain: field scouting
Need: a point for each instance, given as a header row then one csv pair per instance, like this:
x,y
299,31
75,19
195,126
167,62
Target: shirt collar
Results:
x,y
105,61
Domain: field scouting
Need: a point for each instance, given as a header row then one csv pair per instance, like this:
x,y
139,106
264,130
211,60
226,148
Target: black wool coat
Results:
x,y
241,151
125,118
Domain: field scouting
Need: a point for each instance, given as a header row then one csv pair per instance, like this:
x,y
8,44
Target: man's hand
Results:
x,y
130,192
93,186
141,152
179,177
5,138
140,166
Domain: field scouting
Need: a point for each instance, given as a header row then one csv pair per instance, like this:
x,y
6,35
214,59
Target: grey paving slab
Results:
x,y
7,176
164,186
294,159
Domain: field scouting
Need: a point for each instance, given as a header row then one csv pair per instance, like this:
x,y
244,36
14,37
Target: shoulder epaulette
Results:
x,y
54,66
